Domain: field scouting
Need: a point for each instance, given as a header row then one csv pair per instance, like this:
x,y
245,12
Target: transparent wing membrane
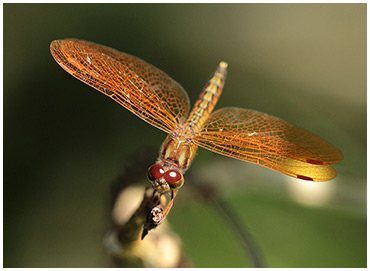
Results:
x,y
268,141
136,85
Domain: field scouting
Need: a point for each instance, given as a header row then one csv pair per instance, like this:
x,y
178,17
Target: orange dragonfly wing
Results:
x,y
268,141
138,86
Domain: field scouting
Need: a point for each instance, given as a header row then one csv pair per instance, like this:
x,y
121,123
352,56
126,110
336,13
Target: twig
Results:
x,y
240,230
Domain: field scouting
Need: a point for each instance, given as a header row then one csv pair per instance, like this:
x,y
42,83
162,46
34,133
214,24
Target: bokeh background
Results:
x,y
64,143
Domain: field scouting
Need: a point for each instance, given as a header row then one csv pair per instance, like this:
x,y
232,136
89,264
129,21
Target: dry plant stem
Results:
x,y
150,213
158,214
131,230
169,205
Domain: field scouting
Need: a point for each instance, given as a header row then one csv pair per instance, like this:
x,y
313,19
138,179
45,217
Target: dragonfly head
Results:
x,y
164,180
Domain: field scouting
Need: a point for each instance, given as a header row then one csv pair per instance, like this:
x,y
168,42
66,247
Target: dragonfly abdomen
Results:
x,y
208,98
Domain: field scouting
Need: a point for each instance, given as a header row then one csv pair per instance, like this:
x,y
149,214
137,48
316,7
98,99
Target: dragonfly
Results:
x,y
156,98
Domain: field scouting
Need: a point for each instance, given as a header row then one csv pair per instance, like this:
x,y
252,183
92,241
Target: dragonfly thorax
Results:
x,y
176,154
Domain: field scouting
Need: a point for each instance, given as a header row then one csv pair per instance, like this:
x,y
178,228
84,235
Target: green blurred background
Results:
x,y
64,142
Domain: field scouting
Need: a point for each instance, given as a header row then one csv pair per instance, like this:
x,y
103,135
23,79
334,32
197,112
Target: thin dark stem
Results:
x,y
241,231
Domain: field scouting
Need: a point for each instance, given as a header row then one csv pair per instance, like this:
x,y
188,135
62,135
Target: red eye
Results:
x,y
172,176
155,172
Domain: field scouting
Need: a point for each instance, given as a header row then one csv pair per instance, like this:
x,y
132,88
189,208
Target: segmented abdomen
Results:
x,y
208,98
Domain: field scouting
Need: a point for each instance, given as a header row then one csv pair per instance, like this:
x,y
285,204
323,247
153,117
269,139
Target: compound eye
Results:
x,y
174,178
155,172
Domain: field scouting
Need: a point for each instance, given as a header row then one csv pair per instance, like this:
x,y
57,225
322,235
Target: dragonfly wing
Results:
x,y
138,86
269,141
